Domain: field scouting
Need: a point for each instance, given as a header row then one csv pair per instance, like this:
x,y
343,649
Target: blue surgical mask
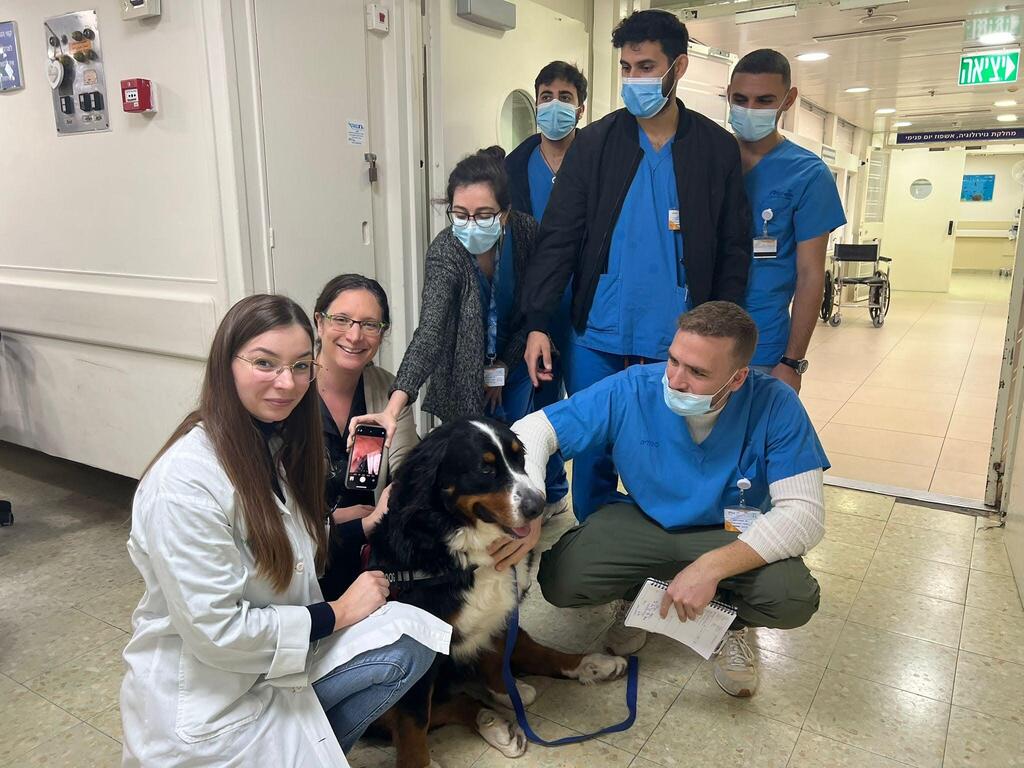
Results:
x,y
645,97
687,403
556,119
477,239
752,124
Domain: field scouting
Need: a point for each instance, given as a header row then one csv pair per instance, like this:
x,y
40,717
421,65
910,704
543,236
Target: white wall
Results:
x,y
117,257
1007,195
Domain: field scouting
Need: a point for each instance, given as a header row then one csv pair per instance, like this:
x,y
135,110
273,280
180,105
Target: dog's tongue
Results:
x,y
522,532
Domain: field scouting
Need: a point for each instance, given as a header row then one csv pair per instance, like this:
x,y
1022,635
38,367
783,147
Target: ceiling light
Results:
x,y
787,11
1006,118
858,89
901,124
814,56
997,38
885,111
849,5
890,31
1005,103
894,39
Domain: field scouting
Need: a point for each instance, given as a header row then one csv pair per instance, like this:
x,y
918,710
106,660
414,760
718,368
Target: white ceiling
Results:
x,y
917,77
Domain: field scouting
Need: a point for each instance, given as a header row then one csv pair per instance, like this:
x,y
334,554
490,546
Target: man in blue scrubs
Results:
x,y
647,217
703,445
561,93
794,205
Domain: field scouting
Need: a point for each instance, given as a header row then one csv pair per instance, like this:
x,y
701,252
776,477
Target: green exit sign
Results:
x,y
988,67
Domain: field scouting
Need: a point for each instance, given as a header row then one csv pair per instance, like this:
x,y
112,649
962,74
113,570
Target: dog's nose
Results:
x,y
530,502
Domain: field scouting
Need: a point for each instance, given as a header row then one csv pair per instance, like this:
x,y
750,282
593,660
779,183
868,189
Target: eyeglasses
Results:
x,y
460,219
267,370
344,322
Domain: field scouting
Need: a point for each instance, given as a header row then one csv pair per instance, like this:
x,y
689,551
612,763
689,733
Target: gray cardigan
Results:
x,y
448,346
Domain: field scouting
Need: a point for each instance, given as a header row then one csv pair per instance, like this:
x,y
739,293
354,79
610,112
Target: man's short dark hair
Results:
x,y
765,61
562,70
723,320
654,25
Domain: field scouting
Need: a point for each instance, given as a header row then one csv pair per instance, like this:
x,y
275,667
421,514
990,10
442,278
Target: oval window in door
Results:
x,y
517,121
920,189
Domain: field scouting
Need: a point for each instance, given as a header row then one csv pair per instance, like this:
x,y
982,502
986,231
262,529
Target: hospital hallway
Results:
x,y
915,656
911,404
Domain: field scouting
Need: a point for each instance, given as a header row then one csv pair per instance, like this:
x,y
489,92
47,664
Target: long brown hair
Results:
x,y
240,446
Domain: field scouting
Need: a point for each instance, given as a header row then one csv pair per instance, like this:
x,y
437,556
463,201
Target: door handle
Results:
x,y
949,228
371,160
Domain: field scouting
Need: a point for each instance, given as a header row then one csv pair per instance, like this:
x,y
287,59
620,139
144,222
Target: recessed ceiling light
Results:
x,y
885,111
1006,118
894,38
815,56
858,89
901,124
1005,103
997,38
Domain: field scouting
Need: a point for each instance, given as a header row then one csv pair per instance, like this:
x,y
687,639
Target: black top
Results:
x,y
347,539
587,198
517,165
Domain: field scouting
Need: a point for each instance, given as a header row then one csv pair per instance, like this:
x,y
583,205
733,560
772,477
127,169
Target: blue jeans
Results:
x,y
365,687
518,399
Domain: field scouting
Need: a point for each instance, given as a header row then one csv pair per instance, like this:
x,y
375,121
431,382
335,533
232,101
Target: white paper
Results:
x,y
356,132
702,634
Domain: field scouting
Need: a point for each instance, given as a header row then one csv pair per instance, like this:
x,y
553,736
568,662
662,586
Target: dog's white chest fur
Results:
x,y
492,597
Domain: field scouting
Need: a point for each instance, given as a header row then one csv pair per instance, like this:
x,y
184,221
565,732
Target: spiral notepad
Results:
x,y
702,634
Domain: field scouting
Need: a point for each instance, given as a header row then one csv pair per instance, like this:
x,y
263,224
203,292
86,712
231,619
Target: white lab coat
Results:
x,y
219,668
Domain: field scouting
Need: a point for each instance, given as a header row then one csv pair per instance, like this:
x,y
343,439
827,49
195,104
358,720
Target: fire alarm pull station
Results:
x,y
138,95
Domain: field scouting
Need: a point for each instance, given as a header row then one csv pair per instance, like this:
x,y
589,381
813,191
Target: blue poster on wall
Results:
x,y
978,188
10,61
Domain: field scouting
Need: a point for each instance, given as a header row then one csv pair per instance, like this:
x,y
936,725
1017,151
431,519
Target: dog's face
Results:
x,y
483,478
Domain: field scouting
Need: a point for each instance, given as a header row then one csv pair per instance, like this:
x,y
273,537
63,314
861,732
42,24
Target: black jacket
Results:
x,y
517,166
575,234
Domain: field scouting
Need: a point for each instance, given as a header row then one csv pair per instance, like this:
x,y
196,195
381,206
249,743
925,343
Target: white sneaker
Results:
x,y
556,508
735,666
620,639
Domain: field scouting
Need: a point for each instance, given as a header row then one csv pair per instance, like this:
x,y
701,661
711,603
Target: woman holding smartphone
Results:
x,y
235,658
352,317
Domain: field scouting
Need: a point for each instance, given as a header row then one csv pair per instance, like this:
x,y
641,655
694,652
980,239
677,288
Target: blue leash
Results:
x,y
632,687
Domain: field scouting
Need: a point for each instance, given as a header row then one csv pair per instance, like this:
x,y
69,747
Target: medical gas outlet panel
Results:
x,y
75,71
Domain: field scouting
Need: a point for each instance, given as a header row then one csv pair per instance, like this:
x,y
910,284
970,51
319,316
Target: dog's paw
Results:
x,y
508,738
526,692
597,667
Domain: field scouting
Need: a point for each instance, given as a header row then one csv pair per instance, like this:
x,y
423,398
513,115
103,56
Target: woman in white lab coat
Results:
x,y
235,658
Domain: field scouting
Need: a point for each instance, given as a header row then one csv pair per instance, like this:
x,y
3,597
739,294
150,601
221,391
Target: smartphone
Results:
x,y
364,462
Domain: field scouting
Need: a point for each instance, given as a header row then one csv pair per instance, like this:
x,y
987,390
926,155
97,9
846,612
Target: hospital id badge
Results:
x,y
765,247
673,220
738,519
494,376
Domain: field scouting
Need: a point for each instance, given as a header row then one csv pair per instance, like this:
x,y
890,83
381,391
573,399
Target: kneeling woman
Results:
x,y
234,658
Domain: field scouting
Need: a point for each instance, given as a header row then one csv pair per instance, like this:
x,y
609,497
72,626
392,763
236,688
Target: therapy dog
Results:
x,y
461,488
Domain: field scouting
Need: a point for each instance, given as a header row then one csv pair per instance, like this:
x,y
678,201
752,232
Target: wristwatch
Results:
x,y
800,366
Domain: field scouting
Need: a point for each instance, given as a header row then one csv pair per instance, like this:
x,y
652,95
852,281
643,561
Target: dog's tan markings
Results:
x,y
516,447
449,490
489,457
497,503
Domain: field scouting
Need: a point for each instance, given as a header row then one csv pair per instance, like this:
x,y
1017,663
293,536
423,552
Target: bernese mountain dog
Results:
x,y
460,489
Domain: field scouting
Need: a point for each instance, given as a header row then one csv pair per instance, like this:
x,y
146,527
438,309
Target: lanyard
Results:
x,y
492,310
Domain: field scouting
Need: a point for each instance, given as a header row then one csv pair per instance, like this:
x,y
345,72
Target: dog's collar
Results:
x,y
422,578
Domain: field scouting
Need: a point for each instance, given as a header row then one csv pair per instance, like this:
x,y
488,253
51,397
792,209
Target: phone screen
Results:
x,y
365,460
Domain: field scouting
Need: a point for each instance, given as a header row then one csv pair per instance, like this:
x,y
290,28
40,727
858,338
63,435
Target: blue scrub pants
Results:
x,y
519,399
594,479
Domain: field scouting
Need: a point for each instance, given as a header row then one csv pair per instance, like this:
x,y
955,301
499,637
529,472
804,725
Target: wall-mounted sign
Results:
x,y
957,137
988,67
976,27
978,187
10,58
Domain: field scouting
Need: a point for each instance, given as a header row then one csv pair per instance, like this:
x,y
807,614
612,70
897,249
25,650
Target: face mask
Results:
x,y
687,403
477,239
645,96
556,119
752,124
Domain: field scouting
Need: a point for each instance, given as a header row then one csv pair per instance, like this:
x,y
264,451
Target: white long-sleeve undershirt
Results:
x,y
790,528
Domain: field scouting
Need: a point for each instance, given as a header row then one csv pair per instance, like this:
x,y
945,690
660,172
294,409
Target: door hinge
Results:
x,y
270,236
371,160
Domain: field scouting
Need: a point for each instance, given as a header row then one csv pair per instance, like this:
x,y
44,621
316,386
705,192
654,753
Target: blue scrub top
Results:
x,y
541,180
506,274
763,434
801,193
644,290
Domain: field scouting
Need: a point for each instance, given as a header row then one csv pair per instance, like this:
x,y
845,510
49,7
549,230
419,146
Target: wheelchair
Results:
x,y
836,278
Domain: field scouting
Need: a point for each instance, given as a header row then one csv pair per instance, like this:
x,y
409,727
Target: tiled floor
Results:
x,y
915,658
911,404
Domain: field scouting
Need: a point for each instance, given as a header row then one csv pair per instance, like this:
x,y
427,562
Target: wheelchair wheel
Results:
x,y
879,297
835,320
828,300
